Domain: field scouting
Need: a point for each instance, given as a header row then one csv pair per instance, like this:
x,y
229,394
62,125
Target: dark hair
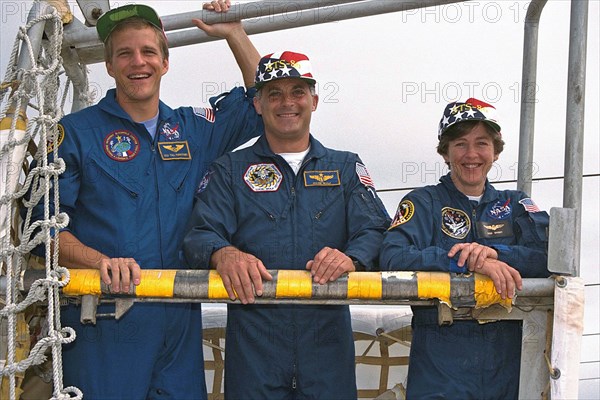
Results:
x,y
136,23
459,130
311,88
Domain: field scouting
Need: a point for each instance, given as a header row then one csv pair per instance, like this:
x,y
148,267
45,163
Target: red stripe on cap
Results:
x,y
478,103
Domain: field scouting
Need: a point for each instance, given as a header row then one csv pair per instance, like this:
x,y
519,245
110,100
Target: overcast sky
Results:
x,y
384,81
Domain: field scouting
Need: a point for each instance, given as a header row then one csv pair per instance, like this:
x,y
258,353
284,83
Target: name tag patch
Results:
x,y
321,178
174,150
494,229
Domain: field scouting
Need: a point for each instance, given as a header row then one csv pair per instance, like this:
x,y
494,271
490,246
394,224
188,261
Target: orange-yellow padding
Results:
x,y
83,281
364,285
216,290
434,285
486,295
156,283
294,284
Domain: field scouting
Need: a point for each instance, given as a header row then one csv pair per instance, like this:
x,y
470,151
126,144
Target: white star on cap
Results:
x,y
446,120
285,71
470,113
273,74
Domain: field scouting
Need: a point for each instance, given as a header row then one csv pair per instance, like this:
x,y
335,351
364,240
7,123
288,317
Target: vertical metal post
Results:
x,y
528,92
534,371
572,196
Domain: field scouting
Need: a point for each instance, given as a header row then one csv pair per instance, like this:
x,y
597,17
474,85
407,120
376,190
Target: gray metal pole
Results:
x,y
236,13
356,286
572,196
90,51
320,16
528,92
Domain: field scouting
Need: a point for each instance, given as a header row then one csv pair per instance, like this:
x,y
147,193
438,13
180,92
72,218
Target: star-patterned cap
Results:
x,y
284,64
472,109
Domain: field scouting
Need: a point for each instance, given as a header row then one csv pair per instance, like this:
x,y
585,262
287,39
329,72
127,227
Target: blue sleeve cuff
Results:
x,y
455,268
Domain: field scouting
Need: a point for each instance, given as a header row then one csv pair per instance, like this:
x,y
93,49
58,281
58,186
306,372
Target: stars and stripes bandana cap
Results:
x,y
472,109
284,64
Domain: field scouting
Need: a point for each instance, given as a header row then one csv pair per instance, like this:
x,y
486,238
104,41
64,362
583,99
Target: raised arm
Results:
x,y
243,50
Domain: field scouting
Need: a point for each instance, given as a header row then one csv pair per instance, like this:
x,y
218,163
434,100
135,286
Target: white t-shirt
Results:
x,y
295,159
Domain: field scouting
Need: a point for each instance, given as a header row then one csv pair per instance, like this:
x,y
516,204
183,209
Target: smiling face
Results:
x,y
470,157
137,64
286,106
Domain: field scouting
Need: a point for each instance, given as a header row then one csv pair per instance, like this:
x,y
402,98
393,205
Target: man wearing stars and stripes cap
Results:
x,y
463,225
284,64
287,202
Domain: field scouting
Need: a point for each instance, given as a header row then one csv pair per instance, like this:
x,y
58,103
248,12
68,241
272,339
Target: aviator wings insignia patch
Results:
x,y
321,178
174,150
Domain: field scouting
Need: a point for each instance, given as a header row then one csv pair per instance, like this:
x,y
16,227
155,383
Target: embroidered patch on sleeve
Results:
x,y
58,138
204,182
529,205
363,175
206,113
405,211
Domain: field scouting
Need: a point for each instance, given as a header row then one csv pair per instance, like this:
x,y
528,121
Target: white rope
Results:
x,y
35,89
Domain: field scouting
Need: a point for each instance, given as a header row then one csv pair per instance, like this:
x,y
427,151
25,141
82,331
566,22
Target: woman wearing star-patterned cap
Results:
x,y
464,225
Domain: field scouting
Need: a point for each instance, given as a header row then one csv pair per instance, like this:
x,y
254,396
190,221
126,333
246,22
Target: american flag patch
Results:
x,y
363,175
529,205
206,113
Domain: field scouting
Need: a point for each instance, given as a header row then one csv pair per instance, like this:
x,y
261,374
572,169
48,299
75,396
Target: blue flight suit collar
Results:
x,y
262,149
110,105
489,194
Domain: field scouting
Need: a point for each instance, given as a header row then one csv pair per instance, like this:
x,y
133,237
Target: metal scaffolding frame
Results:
x,y
81,46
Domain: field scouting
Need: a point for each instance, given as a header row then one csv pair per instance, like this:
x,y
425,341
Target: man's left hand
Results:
x,y
328,265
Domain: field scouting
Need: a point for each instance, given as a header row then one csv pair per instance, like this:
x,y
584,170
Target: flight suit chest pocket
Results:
x,y
112,189
118,180
328,217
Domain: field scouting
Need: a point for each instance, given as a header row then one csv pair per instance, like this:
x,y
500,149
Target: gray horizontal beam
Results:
x,y
90,50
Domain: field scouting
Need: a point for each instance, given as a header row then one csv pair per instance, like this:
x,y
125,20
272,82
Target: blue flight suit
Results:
x,y
129,195
465,360
254,201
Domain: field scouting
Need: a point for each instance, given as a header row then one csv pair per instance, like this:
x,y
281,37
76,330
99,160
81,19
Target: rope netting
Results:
x,y
31,109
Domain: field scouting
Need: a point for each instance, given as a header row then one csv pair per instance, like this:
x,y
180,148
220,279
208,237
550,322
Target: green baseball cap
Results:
x,y
109,20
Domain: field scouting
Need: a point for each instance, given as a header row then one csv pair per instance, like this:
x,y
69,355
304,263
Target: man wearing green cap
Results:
x,y
132,167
